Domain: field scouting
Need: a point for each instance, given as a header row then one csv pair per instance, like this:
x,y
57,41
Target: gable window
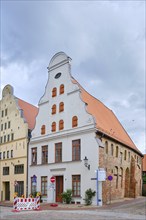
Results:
x,y
76,185
4,155
58,152
61,89
53,109
8,137
19,169
44,185
7,154
53,126
1,127
61,107
44,154
43,129
6,111
34,156
9,124
74,121
12,137
61,125
76,150
2,113
54,92
11,153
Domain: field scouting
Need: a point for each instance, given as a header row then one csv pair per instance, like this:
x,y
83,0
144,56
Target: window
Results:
x,y
4,138
76,151
1,127
61,89
54,92
112,149
58,152
116,175
9,124
6,111
11,153
53,109
121,176
53,126
44,154
5,125
43,129
33,186
125,155
61,107
8,137
76,185
4,155
74,121
121,157
0,155
19,188
7,154
61,125
117,151
12,137
44,185
34,156
1,139
18,169
2,113
128,156
5,170
106,147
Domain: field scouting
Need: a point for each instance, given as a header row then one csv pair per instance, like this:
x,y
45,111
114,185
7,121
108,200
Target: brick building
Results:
x,y
144,176
71,126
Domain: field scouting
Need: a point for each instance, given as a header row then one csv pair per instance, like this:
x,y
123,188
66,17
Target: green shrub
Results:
x,y
89,194
67,196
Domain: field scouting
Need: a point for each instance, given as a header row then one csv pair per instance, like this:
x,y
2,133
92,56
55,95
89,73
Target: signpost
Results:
x,y
52,179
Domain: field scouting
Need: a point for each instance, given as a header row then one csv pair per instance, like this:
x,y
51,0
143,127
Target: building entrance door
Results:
x,y
7,191
59,188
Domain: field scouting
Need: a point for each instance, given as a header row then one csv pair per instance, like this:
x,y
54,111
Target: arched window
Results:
x,y
61,125
121,176
54,92
116,175
53,126
61,89
61,107
117,151
43,129
112,149
74,121
53,109
106,147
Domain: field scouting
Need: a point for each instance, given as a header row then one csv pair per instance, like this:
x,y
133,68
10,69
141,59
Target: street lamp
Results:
x,y
86,163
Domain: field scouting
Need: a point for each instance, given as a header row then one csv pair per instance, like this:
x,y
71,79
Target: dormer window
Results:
x,y
54,92
61,89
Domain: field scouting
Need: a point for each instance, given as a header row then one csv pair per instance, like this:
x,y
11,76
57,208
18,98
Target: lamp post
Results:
x,y
86,163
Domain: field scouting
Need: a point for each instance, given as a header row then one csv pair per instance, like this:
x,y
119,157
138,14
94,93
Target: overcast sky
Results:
x,y
105,39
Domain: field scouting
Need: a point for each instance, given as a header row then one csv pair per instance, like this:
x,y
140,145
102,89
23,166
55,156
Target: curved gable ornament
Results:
x,y
7,90
58,60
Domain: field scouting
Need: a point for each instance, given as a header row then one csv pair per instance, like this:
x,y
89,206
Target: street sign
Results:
x,y
110,178
52,179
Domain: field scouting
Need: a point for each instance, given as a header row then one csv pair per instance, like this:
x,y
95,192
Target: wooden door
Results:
x,y
7,191
59,188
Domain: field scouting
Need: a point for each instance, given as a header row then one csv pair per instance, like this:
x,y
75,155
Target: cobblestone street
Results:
x,y
134,209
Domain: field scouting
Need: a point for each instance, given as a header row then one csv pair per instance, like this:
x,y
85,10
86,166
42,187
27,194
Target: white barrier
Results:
x,y
26,203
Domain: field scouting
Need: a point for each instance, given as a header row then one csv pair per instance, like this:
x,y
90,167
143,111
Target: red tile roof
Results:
x,y
144,162
29,112
106,121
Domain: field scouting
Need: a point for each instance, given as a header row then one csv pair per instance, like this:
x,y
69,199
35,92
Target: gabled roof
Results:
x,y
106,121
144,162
29,112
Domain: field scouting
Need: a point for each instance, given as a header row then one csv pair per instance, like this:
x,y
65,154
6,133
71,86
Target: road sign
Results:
x,y
110,178
52,179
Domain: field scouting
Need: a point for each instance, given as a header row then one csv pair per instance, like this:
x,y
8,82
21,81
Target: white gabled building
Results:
x,y
64,134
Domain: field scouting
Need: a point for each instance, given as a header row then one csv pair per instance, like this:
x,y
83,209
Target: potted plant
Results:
x,y
67,196
89,194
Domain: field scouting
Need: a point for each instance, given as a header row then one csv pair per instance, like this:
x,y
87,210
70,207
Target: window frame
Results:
x,y
76,185
45,154
76,150
58,152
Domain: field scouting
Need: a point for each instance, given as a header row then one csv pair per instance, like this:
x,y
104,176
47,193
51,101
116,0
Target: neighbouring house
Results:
x,y
74,136
17,122
144,176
